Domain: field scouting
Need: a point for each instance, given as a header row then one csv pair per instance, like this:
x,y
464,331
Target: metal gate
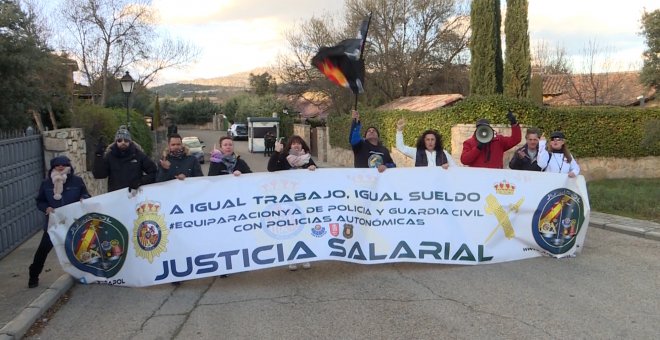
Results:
x,y
21,173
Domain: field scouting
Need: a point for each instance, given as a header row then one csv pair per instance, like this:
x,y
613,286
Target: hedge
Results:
x,y
591,131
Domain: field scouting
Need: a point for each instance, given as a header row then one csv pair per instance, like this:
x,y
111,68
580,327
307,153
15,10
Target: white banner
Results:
x,y
208,226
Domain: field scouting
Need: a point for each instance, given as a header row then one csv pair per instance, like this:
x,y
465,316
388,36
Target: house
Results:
x,y
614,88
422,103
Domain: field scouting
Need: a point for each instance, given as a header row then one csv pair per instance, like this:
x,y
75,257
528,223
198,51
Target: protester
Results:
x,y
225,161
269,143
295,155
368,152
490,154
558,159
428,151
61,187
177,162
525,158
123,163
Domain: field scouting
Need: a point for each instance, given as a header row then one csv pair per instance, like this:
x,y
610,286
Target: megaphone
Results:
x,y
484,134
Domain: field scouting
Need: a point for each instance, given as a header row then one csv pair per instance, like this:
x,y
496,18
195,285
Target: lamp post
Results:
x,y
127,83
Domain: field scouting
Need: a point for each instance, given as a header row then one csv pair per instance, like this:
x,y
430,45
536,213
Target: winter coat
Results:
x,y
74,189
279,162
492,153
185,164
130,168
219,168
526,163
365,154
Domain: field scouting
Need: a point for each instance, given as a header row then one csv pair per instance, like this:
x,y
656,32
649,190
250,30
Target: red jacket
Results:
x,y
472,156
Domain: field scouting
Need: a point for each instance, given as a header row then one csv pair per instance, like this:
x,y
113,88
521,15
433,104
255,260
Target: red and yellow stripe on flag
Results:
x,y
333,73
88,238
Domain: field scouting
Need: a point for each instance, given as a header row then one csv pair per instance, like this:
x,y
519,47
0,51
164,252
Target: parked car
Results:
x,y
238,131
195,146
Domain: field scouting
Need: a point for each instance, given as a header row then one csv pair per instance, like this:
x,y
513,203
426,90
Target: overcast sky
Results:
x,y
239,35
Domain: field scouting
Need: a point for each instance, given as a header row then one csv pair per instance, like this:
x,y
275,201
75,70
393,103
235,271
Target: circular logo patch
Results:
x,y
96,244
558,220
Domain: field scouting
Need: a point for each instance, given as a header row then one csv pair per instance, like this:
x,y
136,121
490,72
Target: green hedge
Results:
x,y
591,131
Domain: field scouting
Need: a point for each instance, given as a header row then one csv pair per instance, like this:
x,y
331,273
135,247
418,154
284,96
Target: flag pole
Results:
x,y
364,42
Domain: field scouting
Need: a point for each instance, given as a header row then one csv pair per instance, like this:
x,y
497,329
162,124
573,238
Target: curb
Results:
x,y
17,327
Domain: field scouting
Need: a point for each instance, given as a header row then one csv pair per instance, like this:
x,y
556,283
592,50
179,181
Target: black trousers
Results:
x,y
40,256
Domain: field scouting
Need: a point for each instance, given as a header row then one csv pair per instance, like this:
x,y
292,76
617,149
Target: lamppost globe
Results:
x,y
127,83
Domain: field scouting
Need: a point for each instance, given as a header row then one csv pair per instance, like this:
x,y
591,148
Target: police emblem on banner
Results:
x,y
558,220
334,229
149,231
96,244
348,230
318,230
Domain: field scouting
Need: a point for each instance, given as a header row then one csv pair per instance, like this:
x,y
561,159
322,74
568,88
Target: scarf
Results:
x,y
177,154
298,159
58,178
229,162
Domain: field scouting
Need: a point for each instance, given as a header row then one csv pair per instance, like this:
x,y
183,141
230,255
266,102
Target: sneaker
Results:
x,y
307,265
293,267
176,284
33,282
224,276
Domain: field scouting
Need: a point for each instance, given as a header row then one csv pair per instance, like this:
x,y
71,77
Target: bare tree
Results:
x,y
112,35
549,59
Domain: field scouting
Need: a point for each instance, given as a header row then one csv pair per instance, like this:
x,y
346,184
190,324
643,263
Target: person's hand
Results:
x,y
481,145
278,146
571,174
355,114
165,164
382,168
511,118
100,147
311,167
400,124
445,166
135,184
521,153
237,173
49,210
180,177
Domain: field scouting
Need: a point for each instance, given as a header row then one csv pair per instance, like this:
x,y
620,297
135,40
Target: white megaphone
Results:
x,y
484,134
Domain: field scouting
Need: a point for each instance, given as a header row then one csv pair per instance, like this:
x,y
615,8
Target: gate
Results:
x,y
313,142
21,173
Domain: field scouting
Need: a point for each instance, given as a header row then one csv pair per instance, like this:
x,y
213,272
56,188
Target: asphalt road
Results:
x,y
610,290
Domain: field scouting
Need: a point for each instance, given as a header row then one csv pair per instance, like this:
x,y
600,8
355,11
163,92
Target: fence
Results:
x,y
21,173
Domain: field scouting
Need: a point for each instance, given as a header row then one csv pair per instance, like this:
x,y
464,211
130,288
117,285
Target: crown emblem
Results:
x,y
505,188
147,207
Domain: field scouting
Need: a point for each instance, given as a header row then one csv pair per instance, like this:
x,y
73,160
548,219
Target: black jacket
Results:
x,y
526,163
220,168
124,168
74,190
278,162
186,164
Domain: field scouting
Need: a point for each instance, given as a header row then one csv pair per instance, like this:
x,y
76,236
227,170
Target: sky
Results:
x,y
240,35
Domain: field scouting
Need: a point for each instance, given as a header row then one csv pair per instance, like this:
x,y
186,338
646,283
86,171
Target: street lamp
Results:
x,y
127,83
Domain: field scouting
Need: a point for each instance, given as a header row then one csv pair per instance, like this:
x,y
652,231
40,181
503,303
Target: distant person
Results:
x,y
269,143
172,129
490,154
368,152
295,155
526,157
123,163
225,161
428,150
559,159
177,162
61,187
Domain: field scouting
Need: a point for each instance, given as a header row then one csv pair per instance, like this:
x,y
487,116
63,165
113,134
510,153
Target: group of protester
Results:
x,y
125,165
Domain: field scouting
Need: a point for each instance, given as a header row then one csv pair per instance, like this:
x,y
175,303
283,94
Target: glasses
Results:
x,y
557,139
122,140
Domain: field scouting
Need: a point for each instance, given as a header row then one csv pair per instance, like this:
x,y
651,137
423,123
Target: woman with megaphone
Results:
x,y
428,151
485,148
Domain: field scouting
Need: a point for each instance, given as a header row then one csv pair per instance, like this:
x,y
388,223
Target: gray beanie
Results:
x,y
122,133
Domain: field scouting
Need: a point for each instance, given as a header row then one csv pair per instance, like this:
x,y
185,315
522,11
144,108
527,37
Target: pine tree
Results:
x,y
486,67
518,66
651,31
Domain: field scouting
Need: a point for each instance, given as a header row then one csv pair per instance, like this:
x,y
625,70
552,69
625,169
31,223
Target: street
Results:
x,y
610,290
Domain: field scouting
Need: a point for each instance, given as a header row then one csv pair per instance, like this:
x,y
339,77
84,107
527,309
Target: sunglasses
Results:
x,y
122,140
557,139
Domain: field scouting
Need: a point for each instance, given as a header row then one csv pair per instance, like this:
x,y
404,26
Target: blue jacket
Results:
x,y
74,190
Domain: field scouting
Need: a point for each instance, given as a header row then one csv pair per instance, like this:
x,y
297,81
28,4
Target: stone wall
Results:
x,y
71,143
592,168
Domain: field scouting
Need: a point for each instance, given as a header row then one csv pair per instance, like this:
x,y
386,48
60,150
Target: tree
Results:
x,y
548,59
411,46
651,30
517,68
485,48
262,84
110,36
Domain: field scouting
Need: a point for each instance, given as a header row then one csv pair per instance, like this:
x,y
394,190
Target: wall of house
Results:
x,y
592,168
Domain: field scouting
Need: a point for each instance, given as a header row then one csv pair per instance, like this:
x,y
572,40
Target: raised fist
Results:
x,y
355,114
511,118
400,124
